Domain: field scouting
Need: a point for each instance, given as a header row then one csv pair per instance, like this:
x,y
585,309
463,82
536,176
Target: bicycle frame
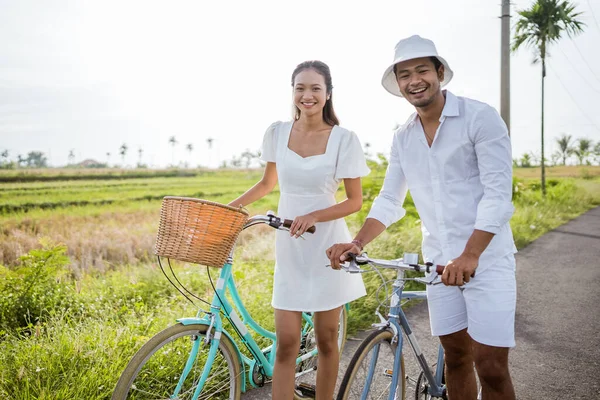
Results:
x,y
398,322
240,322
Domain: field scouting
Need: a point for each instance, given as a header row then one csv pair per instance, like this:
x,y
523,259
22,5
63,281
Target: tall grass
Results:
x,y
72,316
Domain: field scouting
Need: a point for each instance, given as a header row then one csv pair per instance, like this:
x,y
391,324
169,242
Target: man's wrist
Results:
x,y
358,243
472,253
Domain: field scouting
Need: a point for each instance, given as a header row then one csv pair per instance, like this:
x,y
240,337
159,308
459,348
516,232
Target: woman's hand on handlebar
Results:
x,y
302,224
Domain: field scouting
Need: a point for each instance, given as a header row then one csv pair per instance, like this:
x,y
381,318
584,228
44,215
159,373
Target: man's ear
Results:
x,y
441,71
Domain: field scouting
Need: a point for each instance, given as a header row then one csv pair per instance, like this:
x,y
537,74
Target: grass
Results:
x,y
61,174
560,171
69,325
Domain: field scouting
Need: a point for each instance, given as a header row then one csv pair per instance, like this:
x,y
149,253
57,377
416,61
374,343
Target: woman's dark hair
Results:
x,y
322,69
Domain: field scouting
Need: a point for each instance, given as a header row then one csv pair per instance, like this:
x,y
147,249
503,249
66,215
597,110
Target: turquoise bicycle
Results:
x,y
198,358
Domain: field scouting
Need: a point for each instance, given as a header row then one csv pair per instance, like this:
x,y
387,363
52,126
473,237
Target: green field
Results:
x,y
82,290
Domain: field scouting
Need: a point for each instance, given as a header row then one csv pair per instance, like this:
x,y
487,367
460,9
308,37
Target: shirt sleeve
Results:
x,y
387,206
269,145
494,159
351,162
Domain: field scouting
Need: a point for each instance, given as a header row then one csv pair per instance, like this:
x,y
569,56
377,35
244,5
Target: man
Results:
x,y
454,155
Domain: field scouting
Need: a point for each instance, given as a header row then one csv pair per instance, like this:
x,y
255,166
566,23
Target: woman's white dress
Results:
x,y
302,280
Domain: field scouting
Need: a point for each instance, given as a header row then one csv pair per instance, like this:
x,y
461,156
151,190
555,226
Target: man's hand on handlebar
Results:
x,y
338,253
460,270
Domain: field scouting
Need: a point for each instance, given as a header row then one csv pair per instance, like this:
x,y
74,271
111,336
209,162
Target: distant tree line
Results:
x,y
581,151
34,159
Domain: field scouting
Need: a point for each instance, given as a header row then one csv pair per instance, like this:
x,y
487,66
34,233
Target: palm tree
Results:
x,y
71,156
583,150
540,26
526,160
597,152
140,153
189,147
555,158
173,142
107,158
4,155
209,141
123,152
565,149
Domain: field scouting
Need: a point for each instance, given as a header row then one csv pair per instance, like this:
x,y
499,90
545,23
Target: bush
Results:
x,y
40,283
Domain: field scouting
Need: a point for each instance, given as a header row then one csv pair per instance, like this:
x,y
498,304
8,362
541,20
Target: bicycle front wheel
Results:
x,y
156,370
369,374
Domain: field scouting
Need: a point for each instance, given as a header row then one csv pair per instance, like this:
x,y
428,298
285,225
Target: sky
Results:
x,y
88,76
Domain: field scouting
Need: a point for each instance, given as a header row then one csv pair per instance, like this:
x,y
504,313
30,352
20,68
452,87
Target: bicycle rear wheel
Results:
x,y
155,370
422,387
369,374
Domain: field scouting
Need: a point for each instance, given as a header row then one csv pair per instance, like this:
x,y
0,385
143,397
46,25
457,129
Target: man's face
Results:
x,y
418,80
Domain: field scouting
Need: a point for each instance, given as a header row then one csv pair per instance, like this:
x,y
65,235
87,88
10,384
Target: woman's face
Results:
x,y
310,92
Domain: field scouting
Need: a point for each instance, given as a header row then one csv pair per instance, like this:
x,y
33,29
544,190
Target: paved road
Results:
x,y
558,317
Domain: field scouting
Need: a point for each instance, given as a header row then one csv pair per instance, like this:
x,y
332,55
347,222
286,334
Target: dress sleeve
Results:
x,y
351,162
269,145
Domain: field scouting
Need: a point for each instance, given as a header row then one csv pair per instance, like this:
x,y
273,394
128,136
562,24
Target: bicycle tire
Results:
x,y
342,331
351,375
167,336
421,386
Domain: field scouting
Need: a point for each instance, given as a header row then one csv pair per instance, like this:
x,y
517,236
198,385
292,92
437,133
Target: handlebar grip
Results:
x,y
288,222
440,270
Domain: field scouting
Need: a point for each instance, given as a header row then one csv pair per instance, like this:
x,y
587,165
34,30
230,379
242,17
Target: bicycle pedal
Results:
x,y
306,389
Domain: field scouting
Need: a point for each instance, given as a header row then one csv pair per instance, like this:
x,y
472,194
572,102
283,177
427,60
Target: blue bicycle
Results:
x,y
377,369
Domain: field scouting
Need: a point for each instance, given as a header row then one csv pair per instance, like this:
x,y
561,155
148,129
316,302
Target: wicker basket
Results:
x,y
198,231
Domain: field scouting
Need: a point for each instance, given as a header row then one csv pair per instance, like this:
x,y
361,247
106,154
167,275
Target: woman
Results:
x,y
310,156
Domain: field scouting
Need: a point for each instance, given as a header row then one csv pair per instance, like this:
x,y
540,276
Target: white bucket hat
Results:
x,y
409,49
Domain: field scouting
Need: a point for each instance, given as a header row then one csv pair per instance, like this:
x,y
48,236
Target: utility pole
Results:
x,y
505,64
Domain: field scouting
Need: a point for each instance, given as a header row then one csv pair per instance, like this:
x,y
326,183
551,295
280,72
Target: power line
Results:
x,y
584,60
573,99
593,15
576,70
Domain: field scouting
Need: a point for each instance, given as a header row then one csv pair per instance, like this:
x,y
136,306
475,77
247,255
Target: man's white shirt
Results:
x,y
463,182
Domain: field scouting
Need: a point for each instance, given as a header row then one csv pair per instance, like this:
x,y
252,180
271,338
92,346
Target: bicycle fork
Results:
x,y
213,342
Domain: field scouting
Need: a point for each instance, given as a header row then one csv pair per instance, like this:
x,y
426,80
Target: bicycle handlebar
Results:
x,y
287,223
273,221
409,265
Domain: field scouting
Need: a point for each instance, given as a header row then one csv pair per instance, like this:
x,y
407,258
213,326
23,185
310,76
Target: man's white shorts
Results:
x,y
485,305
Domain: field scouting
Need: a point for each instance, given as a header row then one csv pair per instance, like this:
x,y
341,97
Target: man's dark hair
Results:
x,y
436,64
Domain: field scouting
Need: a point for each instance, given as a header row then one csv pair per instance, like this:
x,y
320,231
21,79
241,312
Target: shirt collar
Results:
x,y
450,108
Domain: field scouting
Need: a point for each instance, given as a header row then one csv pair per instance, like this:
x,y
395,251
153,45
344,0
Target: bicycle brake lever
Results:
x,y
352,268
282,228
432,281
